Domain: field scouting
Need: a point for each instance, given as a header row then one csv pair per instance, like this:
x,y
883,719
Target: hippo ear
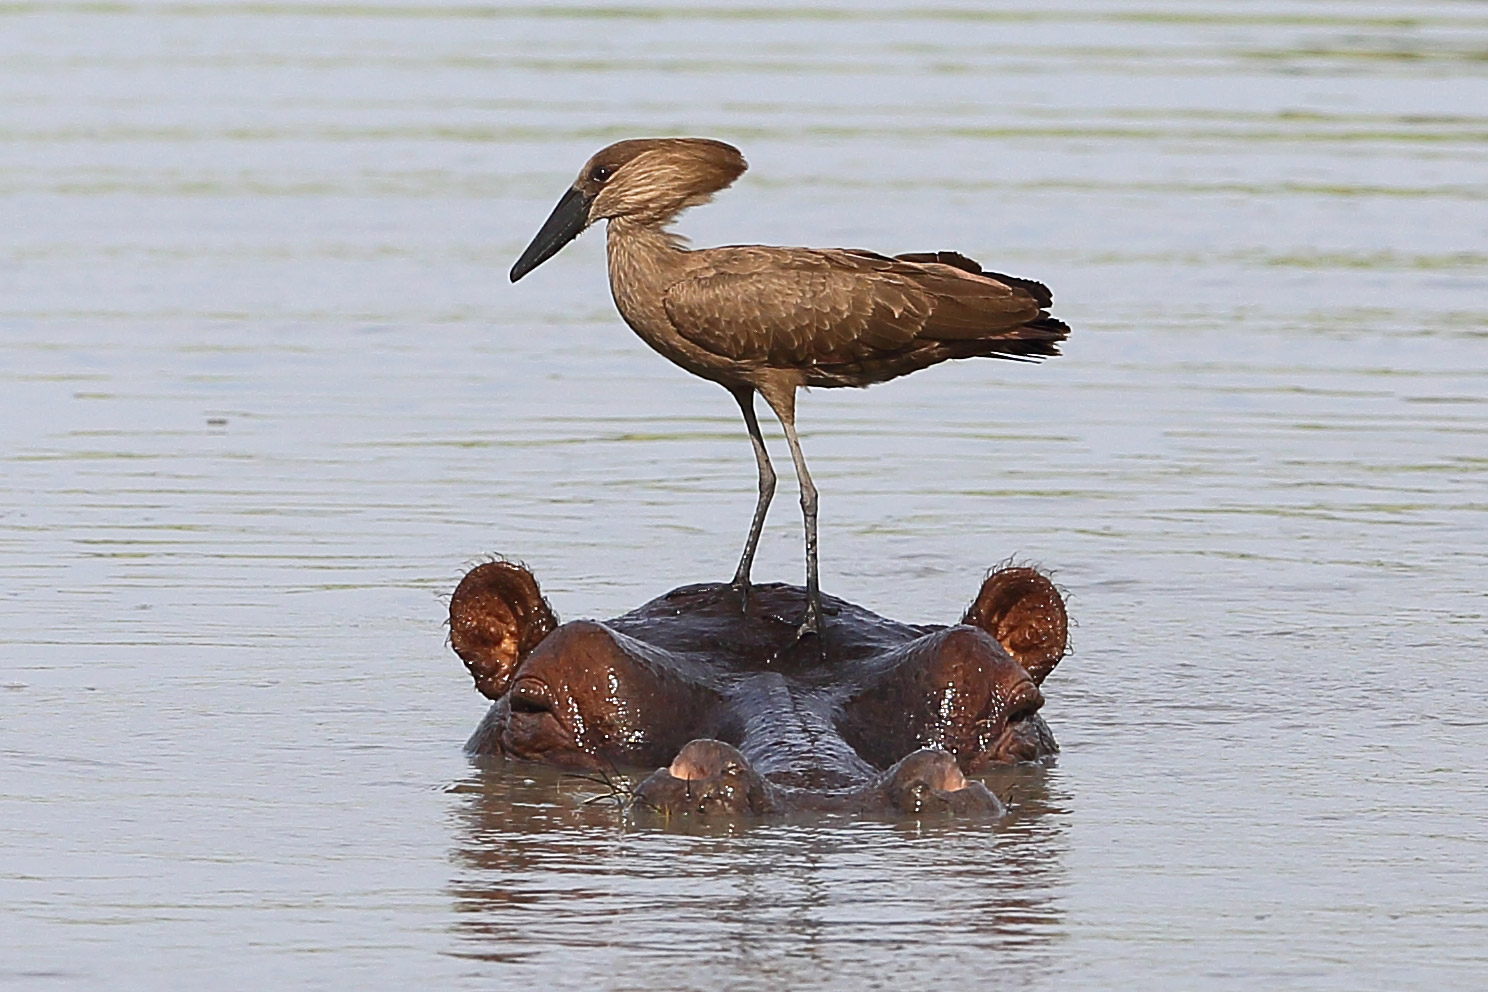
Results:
x,y
497,616
1025,613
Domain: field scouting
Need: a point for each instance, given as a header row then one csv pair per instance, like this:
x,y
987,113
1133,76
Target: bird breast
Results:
x,y
643,263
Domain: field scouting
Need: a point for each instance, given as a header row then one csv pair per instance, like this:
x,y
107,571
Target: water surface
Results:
x,y
265,390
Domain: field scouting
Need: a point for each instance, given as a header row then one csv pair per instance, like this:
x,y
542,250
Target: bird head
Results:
x,y
649,180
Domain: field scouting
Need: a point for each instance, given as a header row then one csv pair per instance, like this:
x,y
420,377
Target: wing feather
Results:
x,y
799,307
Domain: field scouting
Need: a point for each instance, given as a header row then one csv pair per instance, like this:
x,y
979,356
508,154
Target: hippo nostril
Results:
x,y
951,779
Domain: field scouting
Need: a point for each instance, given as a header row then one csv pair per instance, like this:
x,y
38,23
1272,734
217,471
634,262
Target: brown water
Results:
x,y
264,389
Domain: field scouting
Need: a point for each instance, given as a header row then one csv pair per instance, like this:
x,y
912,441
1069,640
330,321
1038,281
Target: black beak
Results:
x,y
563,225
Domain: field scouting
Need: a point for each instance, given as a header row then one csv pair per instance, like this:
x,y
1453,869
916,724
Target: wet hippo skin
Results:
x,y
738,715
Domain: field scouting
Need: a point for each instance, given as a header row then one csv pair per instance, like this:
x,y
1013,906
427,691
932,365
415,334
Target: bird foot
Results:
x,y
808,632
740,589
812,622
735,593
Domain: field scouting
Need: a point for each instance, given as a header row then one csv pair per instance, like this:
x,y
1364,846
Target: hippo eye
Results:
x,y
1026,700
601,172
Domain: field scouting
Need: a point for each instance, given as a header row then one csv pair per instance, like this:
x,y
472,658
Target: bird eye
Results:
x,y
601,172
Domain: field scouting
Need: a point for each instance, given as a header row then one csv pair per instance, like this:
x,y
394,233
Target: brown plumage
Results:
x,y
767,320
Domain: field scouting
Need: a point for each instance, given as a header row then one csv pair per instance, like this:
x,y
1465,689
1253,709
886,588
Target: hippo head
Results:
x,y
732,713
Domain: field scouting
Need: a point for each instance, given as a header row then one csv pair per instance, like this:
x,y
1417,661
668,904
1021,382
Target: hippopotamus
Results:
x,y
733,714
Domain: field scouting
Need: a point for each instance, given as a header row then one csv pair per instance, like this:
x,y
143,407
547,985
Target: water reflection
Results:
x,y
552,879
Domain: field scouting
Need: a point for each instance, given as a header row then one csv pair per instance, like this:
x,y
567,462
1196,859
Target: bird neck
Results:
x,y
641,254
637,237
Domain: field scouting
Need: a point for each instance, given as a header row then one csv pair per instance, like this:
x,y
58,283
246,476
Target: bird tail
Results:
x,y
1035,340
1039,338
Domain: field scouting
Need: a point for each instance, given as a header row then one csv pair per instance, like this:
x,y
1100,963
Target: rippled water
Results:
x,y
265,389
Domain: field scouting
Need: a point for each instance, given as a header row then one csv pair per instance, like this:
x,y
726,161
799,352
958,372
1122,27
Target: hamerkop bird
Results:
x,y
767,320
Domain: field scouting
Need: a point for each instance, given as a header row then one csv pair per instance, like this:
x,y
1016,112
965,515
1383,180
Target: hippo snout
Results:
x,y
707,778
930,781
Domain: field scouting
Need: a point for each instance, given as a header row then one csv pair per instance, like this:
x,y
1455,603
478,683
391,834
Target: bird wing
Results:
x,y
798,306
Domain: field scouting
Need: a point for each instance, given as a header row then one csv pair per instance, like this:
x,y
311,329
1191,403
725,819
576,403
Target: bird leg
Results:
x,y
740,583
784,405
